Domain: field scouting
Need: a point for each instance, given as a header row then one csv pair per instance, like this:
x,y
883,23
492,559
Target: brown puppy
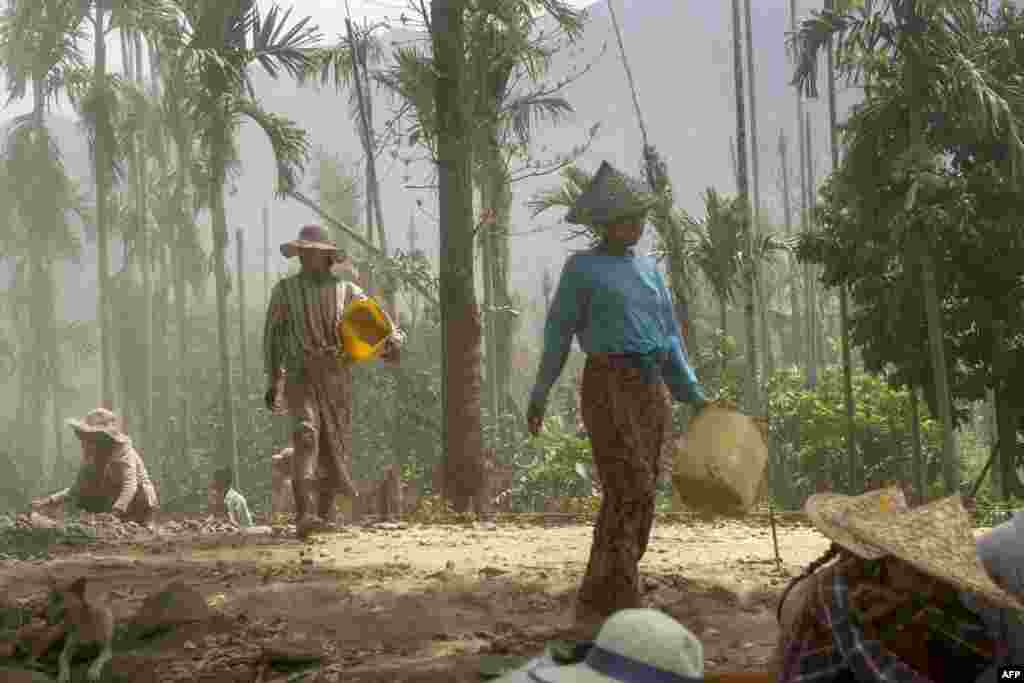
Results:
x,y
86,621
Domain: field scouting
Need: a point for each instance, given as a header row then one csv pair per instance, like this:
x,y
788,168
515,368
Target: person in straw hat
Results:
x,y
113,478
885,602
616,303
301,349
633,646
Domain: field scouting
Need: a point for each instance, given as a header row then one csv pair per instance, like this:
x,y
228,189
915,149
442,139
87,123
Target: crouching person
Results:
x,y
234,504
884,603
112,479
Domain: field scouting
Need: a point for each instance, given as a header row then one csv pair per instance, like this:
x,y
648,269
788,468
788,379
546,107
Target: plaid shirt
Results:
x,y
811,657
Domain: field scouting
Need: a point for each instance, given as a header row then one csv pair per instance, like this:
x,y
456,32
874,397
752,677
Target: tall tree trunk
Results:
x,y
462,465
807,347
181,266
490,328
56,394
950,460
723,321
146,266
915,435
229,438
373,205
796,320
184,340
243,347
101,177
810,288
833,128
266,258
505,321
762,304
1005,414
751,398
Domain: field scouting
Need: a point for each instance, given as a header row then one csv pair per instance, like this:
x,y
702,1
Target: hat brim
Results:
x,y
822,509
937,539
572,673
82,429
290,249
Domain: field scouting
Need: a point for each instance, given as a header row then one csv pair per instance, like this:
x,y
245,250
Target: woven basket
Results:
x,y
719,466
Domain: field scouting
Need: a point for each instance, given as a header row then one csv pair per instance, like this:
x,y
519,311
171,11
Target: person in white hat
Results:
x,y
616,303
301,348
633,646
889,608
113,478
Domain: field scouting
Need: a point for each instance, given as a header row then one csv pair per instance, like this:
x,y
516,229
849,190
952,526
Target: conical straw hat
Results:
x,y
611,196
937,539
820,508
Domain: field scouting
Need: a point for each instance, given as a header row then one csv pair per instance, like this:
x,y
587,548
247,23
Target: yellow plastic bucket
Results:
x,y
720,465
364,328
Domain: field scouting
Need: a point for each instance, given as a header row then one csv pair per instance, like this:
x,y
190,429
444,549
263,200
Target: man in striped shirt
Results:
x,y
303,357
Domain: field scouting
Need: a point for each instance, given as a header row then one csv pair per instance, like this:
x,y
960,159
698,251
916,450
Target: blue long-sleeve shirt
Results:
x,y
613,304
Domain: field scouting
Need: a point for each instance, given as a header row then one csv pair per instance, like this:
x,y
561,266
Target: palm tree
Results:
x,y
39,44
716,251
211,42
460,317
935,51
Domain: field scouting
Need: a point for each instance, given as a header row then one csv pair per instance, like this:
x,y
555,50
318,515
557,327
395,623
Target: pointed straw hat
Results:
x,y
611,196
936,539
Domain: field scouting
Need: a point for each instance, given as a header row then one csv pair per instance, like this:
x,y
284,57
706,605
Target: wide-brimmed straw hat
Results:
x,y
936,539
610,197
310,237
99,421
635,646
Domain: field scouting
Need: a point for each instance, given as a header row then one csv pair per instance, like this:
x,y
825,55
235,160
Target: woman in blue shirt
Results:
x,y
617,305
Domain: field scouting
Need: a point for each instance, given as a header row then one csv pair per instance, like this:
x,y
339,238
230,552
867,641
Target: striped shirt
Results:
x,y
302,320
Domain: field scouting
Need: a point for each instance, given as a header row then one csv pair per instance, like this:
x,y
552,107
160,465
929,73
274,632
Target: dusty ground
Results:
x,y
423,602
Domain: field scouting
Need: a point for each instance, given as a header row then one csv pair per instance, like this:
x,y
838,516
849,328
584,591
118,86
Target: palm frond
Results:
x,y
276,46
524,113
287,141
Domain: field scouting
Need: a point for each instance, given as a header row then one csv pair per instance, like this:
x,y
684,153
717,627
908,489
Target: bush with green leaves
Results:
x,y
808,432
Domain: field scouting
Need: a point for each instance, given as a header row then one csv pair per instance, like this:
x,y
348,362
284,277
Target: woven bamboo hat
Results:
x,y
937,538
611,196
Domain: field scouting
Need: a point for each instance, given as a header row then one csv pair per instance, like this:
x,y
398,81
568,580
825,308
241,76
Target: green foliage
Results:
x,y
560,466
808,429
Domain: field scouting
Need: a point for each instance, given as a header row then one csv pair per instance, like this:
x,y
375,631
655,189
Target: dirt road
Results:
x,y
423,602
